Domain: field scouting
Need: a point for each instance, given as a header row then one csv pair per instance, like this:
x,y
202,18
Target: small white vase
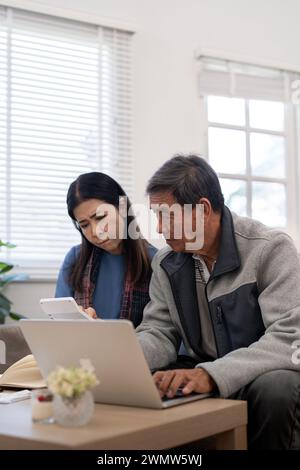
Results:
x,y
73,411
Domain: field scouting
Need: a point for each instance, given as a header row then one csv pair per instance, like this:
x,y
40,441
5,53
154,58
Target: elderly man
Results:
x,y
234,302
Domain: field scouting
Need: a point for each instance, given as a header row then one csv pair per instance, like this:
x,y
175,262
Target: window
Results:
x,y
249,136
65,109
246,146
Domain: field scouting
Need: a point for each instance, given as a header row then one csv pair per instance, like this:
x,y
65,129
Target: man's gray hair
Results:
x,y
188,178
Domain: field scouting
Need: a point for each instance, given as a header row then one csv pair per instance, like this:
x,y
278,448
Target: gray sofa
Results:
x,y
13,344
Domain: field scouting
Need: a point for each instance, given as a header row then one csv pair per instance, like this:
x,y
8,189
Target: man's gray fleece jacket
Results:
x,y
254,301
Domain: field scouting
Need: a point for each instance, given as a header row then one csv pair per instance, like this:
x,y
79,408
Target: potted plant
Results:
x,y
5,279
73,403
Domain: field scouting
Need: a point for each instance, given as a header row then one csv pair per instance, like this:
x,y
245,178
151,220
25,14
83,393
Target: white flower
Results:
x,y
73,381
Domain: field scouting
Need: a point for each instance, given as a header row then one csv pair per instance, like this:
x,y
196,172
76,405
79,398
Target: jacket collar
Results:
x,y
228,258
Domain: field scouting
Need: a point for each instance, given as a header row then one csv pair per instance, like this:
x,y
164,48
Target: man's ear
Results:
x,y
207,209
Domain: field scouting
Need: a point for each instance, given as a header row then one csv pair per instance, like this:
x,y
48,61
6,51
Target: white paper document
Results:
x,y
12,397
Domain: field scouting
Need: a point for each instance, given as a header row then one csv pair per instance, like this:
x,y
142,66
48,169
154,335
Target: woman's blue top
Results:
x,y
107,296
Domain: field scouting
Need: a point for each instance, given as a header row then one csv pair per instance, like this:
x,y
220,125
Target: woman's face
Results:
x,y
101,224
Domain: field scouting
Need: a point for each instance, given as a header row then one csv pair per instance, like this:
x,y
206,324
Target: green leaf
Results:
x,y
4,302
4,280
4,312
7,245
16,316
4,267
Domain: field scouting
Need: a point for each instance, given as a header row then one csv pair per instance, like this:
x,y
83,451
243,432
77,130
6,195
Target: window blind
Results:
x,y
228,78
65,109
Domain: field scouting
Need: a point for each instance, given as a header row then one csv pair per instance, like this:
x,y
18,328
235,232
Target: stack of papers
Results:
x,y
12,397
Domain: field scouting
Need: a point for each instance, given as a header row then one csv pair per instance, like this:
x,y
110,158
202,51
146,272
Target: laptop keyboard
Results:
x,y
178,394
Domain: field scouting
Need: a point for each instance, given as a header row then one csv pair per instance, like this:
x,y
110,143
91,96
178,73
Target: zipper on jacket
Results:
x,y
212,323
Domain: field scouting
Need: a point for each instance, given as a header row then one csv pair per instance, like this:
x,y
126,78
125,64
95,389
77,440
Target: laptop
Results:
x,y
113,349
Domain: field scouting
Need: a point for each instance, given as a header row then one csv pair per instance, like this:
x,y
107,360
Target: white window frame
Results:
x,y
291,134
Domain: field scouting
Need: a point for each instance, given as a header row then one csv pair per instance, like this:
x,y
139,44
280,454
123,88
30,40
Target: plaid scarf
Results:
x,y
134,299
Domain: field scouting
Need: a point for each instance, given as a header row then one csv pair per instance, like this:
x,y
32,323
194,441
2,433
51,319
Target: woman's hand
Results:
x,y
89,311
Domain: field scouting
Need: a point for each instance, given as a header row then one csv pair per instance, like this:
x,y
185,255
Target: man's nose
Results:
x,y
163,228
159,226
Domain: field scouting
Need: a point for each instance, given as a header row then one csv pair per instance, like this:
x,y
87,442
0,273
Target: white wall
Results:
x,y
166,104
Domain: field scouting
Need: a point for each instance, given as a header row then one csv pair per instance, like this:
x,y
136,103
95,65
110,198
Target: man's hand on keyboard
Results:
x,y
189,380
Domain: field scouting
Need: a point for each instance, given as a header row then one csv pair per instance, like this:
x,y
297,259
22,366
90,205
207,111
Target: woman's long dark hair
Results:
x,y
97,185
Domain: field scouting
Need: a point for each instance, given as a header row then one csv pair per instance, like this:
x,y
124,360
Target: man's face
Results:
x,y
181,226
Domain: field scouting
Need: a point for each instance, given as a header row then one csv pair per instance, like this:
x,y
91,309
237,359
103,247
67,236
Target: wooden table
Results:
x,y
120,427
